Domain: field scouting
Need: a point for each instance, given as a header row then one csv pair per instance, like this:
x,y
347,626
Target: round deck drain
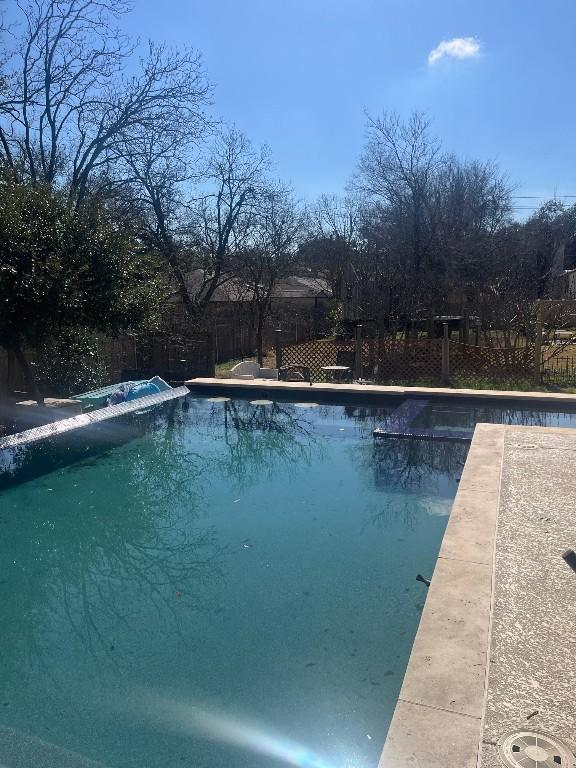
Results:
x,y
529,749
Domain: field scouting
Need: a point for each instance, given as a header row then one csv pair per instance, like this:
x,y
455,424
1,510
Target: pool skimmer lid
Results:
x,y
530,749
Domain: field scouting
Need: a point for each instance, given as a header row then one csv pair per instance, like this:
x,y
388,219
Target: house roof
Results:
x,y
235,289
298,287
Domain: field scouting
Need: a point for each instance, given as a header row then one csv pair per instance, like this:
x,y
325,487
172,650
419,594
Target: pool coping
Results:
x,y
376,389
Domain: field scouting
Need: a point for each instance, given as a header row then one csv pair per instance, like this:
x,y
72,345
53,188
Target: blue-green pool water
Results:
x,y
234,586
465,414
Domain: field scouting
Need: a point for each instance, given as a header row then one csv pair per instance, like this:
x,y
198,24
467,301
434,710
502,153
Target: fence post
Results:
x,y
278,345
538,345
466,327
445,356
210,355
431,326
358,354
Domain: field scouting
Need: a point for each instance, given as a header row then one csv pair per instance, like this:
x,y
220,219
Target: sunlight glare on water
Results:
x,y
192,718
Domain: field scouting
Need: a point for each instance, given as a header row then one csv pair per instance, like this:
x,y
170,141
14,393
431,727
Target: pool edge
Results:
x,y
248,385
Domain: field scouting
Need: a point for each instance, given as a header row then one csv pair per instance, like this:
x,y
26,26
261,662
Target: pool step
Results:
x,y
401,419
56,428
398,425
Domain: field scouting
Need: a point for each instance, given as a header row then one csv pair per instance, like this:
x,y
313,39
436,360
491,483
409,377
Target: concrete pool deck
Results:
x,y
532,675
495,650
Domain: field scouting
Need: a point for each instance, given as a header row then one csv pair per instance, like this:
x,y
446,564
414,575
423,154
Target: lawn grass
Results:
x,y
222,370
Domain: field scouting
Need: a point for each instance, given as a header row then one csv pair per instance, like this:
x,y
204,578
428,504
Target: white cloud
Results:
x,y
457,48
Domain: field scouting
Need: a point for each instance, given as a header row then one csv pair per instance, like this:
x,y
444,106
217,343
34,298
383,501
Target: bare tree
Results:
x,y
332,237
270,255
335,217
225,216
70,106
198,213
152,175
396,169
430,225
548,232
469,206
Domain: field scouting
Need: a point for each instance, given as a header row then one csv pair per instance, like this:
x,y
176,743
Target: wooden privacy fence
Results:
x,y
236,338
175,359
11,376
425,361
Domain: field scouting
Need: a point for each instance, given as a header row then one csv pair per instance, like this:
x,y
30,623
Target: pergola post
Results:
x,y
358,354
278,345
445,356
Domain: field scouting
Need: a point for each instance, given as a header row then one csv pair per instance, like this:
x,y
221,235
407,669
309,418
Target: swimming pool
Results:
x,y
234,585
222,582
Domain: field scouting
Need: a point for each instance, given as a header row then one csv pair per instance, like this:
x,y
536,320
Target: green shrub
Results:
x,y
70,364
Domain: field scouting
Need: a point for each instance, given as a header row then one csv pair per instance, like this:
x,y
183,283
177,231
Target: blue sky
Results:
x,y
298,74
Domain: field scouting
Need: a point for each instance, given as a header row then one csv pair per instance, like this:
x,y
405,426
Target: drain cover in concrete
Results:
x,y
529,749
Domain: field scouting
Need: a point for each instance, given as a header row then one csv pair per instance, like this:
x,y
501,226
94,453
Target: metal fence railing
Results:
x,y
559,371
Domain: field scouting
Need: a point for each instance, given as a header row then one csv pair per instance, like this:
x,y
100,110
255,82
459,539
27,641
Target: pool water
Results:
x,y
233,586
457,415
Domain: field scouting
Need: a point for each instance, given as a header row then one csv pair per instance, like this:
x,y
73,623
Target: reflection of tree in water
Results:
x,y
96,569
259,439
367,417
27,461
97,565
393,510
106,567
412,464
408,467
